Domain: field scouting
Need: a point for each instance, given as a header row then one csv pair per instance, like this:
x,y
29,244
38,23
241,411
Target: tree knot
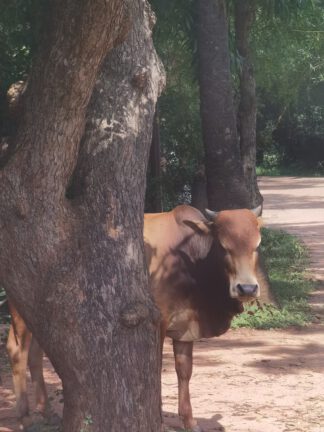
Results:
x,y
133,314
140,79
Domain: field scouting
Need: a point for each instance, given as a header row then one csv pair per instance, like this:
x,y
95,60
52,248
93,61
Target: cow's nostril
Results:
x,y
240,289
247,289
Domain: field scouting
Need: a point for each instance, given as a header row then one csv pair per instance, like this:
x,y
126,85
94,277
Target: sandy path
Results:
x,y
247,380
296,205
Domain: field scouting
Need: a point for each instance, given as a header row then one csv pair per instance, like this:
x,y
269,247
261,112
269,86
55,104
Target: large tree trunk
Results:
x,y
71,215
225,182
244,18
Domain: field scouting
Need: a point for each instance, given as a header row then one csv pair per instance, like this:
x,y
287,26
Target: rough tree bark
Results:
x,y
71,214
244,17
225,181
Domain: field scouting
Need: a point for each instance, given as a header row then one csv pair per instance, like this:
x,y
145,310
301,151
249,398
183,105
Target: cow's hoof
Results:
x,y
36,423
32,423
195,428
25,422
35,427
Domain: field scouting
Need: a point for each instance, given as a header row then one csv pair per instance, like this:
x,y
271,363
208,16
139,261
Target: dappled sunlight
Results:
x,y
290,360
212,423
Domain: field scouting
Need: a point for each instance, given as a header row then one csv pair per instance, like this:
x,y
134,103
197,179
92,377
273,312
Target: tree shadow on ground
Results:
x,y
172,423
314,329
213,346
274,201
290,360
273,356
289,183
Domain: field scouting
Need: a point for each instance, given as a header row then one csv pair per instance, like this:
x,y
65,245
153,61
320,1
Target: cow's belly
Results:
x,y
189,325
183,325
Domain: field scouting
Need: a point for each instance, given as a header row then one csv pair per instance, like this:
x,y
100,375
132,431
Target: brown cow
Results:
x,y
201,272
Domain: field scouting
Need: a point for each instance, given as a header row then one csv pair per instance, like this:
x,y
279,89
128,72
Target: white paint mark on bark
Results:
x,y
115,231
131,252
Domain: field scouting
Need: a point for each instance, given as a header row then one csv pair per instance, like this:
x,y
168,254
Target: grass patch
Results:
x,y
290,171
286,259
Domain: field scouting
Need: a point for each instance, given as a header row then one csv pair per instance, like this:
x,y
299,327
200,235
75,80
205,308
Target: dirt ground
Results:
x,y
248,380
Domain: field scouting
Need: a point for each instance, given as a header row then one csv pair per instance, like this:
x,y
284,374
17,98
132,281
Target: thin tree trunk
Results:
x,y
225,182
244,18
199,190
71,215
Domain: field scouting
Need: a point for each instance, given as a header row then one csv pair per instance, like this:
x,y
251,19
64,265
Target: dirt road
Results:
x,y
247,380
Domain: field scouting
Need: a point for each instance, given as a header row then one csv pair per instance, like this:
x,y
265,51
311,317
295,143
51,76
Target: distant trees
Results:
x,y
179,121
286,68
226,184
289,75
288,72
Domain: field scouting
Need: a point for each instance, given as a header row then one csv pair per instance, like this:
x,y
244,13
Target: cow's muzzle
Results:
x,y
247,291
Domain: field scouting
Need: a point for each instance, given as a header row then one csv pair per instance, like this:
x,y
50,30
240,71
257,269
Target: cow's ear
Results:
x,y
200,227
257,211
260,222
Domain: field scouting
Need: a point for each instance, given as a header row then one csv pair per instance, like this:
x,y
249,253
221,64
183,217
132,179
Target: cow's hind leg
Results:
x,y
183,365
18,347
35,363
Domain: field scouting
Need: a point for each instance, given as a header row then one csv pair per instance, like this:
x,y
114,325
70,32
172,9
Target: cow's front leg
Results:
x,y
183,365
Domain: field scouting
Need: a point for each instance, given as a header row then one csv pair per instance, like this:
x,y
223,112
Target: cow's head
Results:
x,y
238,234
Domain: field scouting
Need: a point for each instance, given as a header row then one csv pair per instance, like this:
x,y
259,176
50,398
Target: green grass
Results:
x,y
286,259
291,171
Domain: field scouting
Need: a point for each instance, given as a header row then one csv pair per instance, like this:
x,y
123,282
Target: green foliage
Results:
x,y
285,10
20,23
286,260
20,26
290,74
87,423
287,46
287,43
276,170
181,143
